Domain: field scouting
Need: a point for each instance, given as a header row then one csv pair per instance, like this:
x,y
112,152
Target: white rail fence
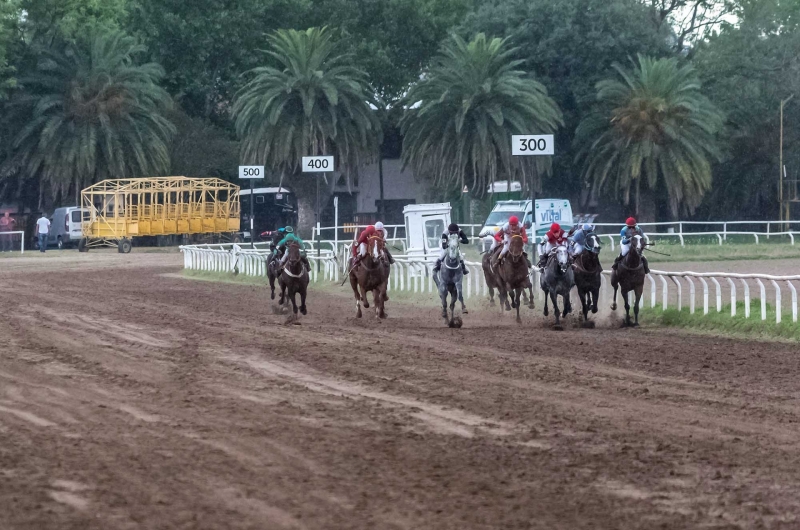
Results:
x,y
666,289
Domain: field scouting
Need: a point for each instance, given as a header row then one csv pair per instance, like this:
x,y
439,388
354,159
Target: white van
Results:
x,y
65,227
548,211
425,224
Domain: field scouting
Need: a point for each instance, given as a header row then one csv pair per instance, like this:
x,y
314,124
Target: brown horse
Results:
x,y
629,276
492,279
513,273
294,278
371,274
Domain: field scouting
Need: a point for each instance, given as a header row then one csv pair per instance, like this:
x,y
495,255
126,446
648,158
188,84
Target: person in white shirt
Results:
x,y
43,231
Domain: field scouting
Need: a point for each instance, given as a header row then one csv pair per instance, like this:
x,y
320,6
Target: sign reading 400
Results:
x,y
532,144
317,164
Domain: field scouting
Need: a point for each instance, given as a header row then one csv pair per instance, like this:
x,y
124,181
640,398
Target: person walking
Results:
x,y
6,225
43,231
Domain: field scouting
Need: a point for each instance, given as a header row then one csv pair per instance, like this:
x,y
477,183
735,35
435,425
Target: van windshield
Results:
x,y
499,218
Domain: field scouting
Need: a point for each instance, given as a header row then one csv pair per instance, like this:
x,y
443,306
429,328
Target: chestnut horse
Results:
x,y
371,274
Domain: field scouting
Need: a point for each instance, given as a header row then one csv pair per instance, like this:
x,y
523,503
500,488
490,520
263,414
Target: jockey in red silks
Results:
x,y
510,229
359,249
554,238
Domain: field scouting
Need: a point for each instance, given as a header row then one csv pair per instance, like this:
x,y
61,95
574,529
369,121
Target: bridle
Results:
x,y
515,256
293,261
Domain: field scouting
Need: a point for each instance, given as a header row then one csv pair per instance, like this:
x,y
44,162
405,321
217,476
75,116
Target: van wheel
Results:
x,y
237,239
124,246
82,245
60,243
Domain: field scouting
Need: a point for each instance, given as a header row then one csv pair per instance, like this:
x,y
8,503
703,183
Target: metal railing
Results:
x,y
681,230
414,275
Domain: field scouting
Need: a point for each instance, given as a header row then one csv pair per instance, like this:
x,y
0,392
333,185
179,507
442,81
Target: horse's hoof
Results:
x,y
594,310
366,304
303,310
531,306
636,324
455,323
558,327
272,296
519,320
464,311
613,307
588,324
444,315
546,312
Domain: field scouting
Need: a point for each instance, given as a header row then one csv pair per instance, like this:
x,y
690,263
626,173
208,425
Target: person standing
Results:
x,y
6,225
43,231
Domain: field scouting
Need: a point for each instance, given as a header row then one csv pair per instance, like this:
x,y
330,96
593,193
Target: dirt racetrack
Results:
x,y
131,398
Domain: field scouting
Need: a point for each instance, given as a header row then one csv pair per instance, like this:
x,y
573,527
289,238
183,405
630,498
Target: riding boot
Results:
x,y
306,263
646,266
389,256
464,268
438,266
527,261
542,261
616,262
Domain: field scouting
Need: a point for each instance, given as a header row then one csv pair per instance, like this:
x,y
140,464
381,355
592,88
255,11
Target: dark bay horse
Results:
x,y
629,276
371,274
493,281
588,273
273,266
558,279
513,273
294,279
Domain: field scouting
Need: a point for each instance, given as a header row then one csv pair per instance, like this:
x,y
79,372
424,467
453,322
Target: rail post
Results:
x,y
733,296
705,295
691,293
746,298
763,299
777,301
794,300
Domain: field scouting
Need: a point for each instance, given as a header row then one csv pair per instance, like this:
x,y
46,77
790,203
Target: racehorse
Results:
x,y
513,273
558,279
629,276
588,272
450,280
371,274
492,280
294,278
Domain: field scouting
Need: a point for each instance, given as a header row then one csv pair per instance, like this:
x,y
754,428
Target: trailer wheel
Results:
x,y
237,238
83,245
124,246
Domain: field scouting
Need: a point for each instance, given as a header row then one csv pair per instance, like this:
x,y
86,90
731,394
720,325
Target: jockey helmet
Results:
x,y
513,220
631,222
453,228
555,228
587,227
288,230
379,226
282,229
370,229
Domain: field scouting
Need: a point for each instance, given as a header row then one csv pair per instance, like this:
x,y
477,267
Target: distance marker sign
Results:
x,y
532,144
251,172
317,164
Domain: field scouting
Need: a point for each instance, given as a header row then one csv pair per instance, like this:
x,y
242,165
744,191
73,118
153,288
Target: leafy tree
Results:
x,y
316,102
747,70
464,110
205,45
569,46
90,113
47,20
652,126
199,149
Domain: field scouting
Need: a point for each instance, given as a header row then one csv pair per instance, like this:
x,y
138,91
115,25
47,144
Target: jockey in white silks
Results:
x,y
452,230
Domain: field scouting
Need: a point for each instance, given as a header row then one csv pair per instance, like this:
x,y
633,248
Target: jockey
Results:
x,y
510,229
578,238
288,238
630,230
360,247
453,229
381,230
554,238
276,239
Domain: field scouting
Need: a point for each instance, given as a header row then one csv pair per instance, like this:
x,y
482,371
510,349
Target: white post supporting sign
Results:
x,y
532,145
318,164
251,173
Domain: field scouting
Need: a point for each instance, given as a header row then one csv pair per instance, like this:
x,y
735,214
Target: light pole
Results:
x,y
780,169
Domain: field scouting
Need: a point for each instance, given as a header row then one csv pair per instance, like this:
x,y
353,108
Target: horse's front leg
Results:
x,y
443,297
636,306
531,304
271,284
283,294
511,294
293,297
460,292
491,295
627,308
546,301
519,292
567,304
614,302
363,292
556,313
303,293
595,296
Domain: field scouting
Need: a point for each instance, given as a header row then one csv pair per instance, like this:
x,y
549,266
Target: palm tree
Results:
x,y
653,125
91,113
315,102
461,115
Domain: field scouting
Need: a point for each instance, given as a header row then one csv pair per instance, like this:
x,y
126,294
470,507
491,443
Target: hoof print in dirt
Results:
x,y
588,324
558,327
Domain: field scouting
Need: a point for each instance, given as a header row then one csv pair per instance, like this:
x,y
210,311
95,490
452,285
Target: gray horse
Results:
x,y
558,279
449,282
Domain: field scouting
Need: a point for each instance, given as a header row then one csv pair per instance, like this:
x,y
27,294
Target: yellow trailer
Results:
x,y
118,210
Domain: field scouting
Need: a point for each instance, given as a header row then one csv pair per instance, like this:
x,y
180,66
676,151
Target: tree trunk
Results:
x,y
305,188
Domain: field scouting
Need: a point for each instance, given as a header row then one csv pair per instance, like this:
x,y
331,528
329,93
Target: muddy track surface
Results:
x,y
134,399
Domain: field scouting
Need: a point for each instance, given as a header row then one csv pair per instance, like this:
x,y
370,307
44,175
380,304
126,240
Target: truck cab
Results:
x,y
425,224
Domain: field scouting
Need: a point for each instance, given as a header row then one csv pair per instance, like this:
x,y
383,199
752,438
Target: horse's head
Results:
x,y
593,243
638,244
453,248
515,247
376,247
562,257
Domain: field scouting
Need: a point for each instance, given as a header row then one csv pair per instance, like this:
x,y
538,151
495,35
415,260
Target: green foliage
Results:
x,y
317,102
724,323
199,149
71,20
747,70
463,112
652,125
91,113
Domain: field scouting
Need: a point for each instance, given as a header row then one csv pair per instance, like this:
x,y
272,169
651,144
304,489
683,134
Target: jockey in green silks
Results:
x,y
287,239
